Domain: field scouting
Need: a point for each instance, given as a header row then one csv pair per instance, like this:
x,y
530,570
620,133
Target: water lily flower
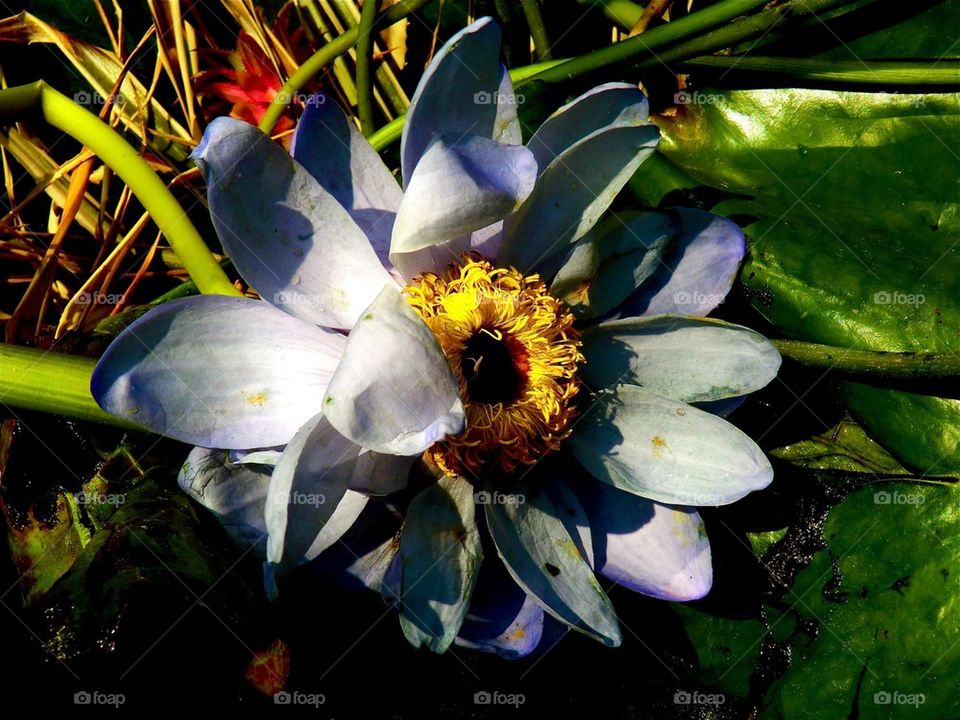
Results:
x,y
531,374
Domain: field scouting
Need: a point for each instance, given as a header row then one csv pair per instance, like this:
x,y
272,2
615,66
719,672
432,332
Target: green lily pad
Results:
x,y
885,605
844,447
876,271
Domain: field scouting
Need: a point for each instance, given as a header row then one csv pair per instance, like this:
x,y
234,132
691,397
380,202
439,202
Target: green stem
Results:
x,y
942,73
327,54
873,363
50,382
649,42
17,103
541,43
364,59
386,79
761,25
391,132
623,12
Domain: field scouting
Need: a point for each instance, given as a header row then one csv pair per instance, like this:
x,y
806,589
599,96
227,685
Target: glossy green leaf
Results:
x,y
875,272
844,447
883,595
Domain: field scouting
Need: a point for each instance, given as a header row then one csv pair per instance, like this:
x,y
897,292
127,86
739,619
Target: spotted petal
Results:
x,y
328,144
394,391
456,95
688,359
545,561
502,618
666,450
218,372
441,555
659,550
288,237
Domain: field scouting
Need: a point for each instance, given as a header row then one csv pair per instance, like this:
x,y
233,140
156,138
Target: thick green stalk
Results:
x,y
50,382
364,61
541,42
646,44
873,363
895,74
17,103
761,25
327,54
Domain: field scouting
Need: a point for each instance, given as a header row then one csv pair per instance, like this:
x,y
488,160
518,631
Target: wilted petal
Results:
x,y
218,372
666,450
456,95
698,270
656,549
546,562
441,555
288,237
394,391
328,144
573,192
688,359
459,188
235,494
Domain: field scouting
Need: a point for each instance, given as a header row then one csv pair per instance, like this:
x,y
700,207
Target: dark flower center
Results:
x,y
495,368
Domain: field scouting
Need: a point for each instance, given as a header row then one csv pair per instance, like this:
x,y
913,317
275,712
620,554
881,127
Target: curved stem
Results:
x,y
327,54
62,113
50,382
364,60
873,363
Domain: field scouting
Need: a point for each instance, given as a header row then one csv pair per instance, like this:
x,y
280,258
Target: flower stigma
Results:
x,y
514,351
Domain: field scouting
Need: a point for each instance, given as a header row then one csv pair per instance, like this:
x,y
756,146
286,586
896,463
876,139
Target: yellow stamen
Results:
x,y
525,392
